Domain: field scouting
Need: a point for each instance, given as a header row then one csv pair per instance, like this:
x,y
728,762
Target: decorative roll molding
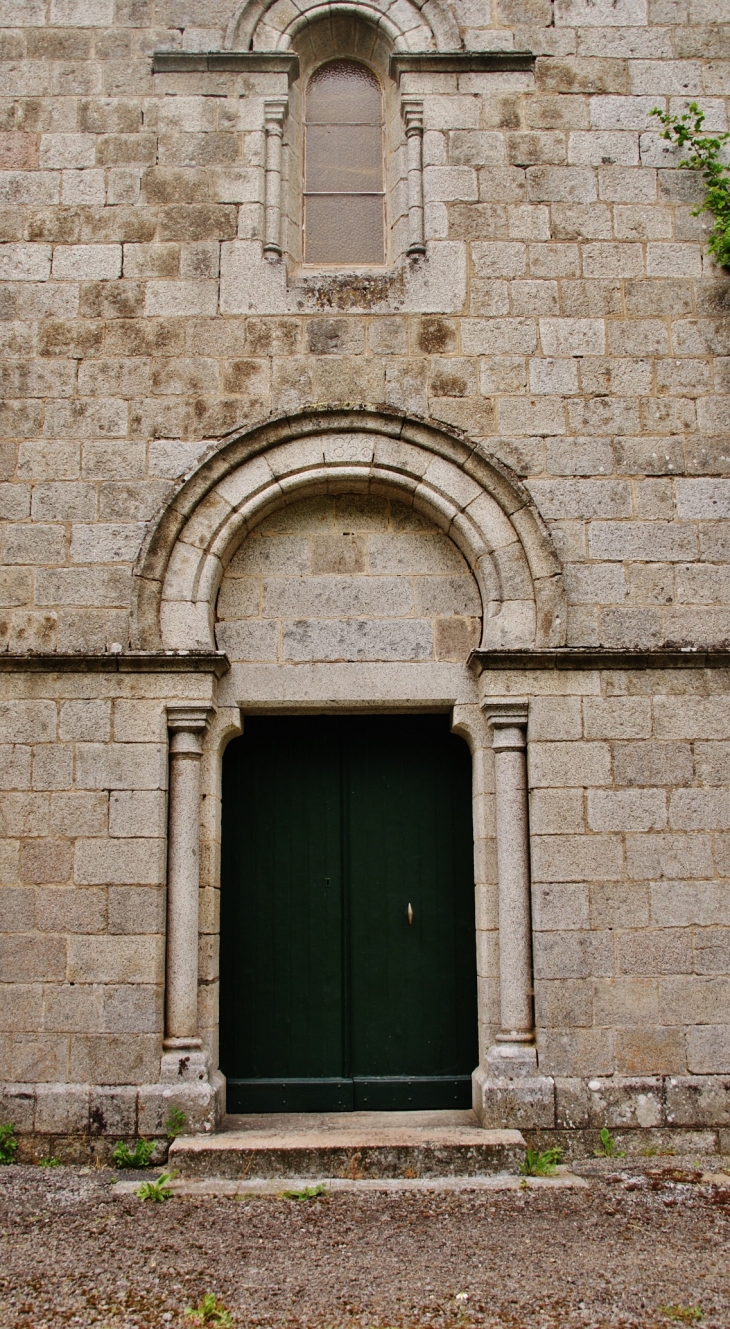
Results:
x,y
412,108
507,720
187,725
274,117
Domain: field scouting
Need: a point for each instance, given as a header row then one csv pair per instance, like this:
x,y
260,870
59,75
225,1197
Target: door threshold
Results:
x,y
276,1123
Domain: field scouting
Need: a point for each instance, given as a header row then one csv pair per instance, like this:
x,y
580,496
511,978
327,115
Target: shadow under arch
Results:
x,y
471,496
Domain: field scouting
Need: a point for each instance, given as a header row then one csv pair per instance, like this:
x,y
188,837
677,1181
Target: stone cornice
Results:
x,y
131,662
287,62
459,62
599,658
221,62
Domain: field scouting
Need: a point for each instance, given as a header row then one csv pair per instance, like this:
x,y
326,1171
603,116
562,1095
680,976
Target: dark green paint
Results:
x,y
330,1000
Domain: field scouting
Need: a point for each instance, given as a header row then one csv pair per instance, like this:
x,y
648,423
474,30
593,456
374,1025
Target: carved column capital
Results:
x,y
412,108
275,112
187,725
507,719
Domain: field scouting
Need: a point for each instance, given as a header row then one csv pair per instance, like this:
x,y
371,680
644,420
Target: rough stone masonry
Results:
x,y
493,477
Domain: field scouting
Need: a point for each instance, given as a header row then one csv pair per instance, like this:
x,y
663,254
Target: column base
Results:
x,y
513,1060
508,1093
202,1100
184,1061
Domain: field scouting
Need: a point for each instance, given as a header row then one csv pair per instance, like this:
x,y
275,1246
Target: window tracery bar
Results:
x,y
274,116
413,118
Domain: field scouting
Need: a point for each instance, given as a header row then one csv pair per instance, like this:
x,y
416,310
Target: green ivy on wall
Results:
x,y
705,150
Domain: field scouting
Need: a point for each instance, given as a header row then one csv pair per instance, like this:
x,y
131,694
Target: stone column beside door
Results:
x,y
186,1080
509,1090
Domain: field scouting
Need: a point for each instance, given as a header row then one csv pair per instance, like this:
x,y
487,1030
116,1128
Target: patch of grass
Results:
x,y
138,1157
175,1123
8,1143
607,1147
308,1193
157,1191
51,1161
543,1164
683,1314
650,1152
210,1311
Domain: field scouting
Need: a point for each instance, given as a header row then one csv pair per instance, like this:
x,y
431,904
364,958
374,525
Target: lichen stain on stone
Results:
x,y
435,335
344,290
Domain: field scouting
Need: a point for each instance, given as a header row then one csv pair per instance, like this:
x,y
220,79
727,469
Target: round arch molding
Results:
x,y
473,498
411,25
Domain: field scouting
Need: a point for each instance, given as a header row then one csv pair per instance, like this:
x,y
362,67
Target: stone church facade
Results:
x,y
486,476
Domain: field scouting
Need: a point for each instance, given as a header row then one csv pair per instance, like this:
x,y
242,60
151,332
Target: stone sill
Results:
x,y
130,662
599,657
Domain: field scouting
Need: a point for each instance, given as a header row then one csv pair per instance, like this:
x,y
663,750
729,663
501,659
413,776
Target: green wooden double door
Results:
x,y
333,995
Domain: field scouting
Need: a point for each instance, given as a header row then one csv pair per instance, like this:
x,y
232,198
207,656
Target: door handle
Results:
x,y
409,913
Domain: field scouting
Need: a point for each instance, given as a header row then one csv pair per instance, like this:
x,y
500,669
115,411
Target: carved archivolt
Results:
x,y
411,25
480,505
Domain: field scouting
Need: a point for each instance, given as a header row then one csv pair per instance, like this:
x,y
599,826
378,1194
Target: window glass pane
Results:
x,y
344,216
343,229
344,157
343,93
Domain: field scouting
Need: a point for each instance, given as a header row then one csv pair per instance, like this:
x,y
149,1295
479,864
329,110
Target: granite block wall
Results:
x,y
566,319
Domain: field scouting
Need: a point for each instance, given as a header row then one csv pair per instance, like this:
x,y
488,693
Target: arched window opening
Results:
x,y
344,197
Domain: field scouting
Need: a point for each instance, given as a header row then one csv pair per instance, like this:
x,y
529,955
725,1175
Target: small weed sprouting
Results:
x,y
650,1152
607,1147
175,1123
210,1311
308,1193
543,1164
683,1314
8,1143
685,131
138,1157
51,1161
158,1190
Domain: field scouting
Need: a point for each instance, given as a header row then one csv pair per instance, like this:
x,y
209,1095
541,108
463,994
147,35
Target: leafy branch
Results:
x,y
685,131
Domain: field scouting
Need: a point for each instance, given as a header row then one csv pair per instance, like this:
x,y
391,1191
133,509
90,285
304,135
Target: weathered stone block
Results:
x,y
62,1109
202,1103
113,1111
115,959
708,1049
697,1101
101,1059
525,1103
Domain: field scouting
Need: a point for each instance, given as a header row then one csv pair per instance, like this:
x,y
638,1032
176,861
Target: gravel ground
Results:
x,y
643,1247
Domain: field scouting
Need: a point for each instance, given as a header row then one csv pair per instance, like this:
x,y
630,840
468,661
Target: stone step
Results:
x,y
356,1145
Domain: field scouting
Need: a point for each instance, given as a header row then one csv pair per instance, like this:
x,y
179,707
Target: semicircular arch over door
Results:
x,y
474,499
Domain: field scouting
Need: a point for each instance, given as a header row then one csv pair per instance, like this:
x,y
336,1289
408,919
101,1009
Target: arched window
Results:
x,y
344,198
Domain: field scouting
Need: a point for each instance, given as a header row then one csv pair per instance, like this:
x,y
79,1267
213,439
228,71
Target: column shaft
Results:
x,y
413,116
187,725
274,113
508,722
